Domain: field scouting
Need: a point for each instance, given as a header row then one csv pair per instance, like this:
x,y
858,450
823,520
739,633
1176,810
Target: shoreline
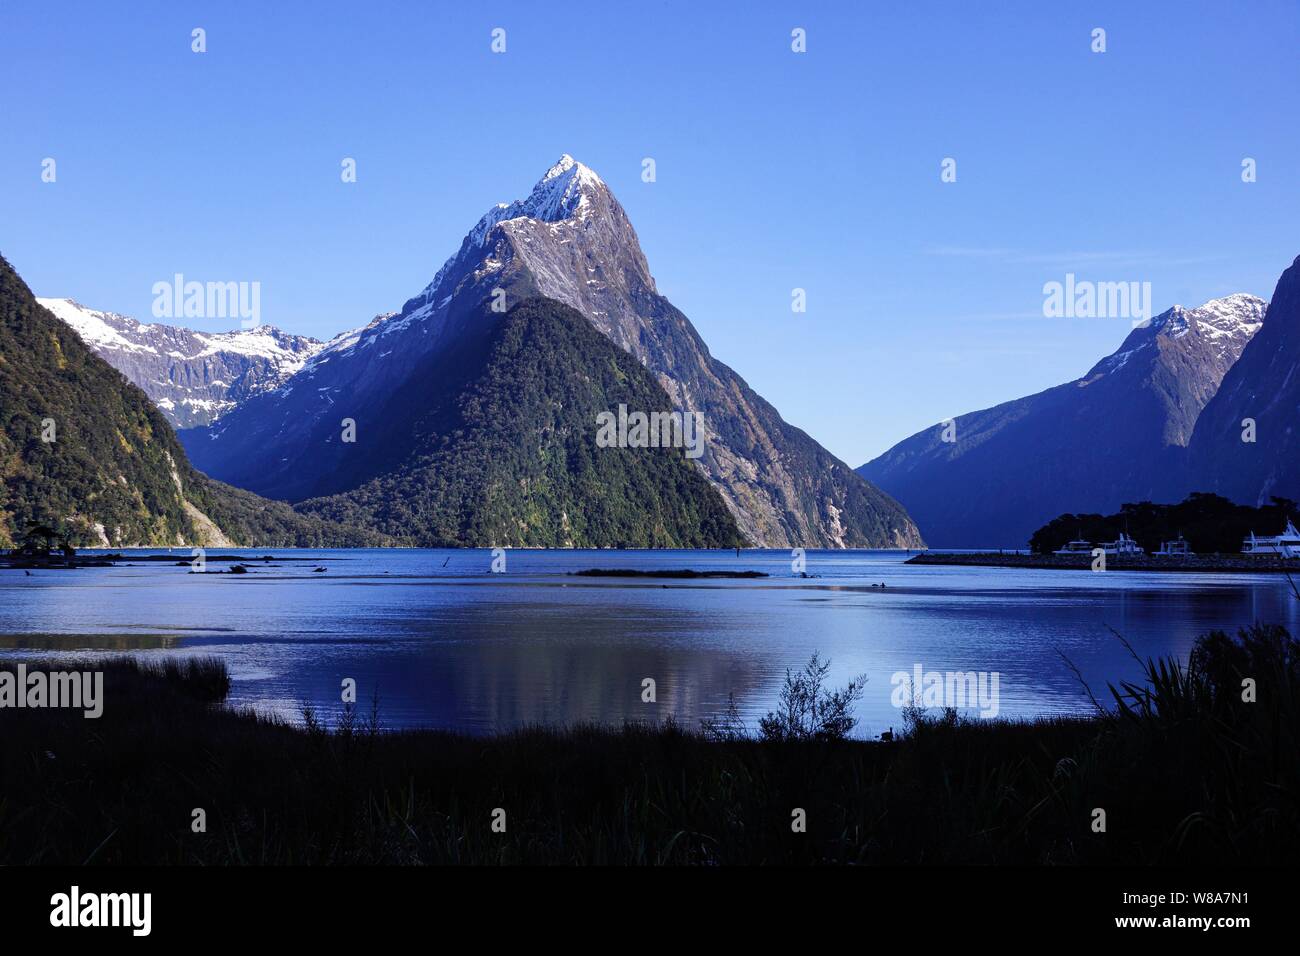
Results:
x,y
1204,563
343,789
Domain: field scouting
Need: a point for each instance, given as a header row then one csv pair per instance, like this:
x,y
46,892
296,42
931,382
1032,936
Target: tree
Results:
x,y
807,711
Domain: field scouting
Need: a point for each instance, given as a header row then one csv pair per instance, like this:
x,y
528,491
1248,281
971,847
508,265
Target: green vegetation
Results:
x,y
113,464
112,457
253,521
1209,523
508,453
1186,770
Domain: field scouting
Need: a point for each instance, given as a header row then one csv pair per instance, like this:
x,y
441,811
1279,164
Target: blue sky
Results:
x,y
776,170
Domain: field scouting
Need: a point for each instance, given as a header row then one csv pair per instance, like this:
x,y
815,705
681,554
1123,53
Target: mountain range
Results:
x,y
193,377
1258,399
504,452
468,415
570,242
1150,422
85,452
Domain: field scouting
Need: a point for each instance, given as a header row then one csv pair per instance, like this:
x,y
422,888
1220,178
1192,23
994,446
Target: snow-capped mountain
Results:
x,y
116,476
1220,322
569,241
1250,463
1116,435
193,377
1184,354
569,206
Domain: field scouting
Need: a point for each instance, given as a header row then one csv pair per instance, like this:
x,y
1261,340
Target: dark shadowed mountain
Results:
x,y
1116,435
569,241
503,452
193,377
84,451
1264,386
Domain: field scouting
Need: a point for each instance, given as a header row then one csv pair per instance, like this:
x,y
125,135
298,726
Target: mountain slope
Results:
x,y
569,241
1263,385
507,453
114,473
193,377
1115,435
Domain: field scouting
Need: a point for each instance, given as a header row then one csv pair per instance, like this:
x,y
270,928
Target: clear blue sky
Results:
x,y
775,170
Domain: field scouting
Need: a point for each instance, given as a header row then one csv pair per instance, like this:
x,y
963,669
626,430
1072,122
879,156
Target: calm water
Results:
x,y
446,643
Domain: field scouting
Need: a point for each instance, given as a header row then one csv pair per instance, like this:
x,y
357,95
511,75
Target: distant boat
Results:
x,y
1077,546
1122,545
1174,549
1286,544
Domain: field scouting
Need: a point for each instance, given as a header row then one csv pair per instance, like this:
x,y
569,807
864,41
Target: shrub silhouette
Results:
x,y
807,711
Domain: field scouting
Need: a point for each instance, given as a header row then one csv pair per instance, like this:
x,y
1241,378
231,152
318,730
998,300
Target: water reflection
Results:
x,y
445,643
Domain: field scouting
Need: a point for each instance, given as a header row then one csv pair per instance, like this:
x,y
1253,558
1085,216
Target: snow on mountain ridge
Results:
x,y
106,329
192,376
346,340
1231,314
1226,324
565,192
561,193
95,328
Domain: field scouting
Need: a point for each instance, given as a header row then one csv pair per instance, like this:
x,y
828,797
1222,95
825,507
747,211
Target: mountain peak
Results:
x,y
1225,324
568,165
1231,316
1261,386
1227,315
566,191
1240,308
563,192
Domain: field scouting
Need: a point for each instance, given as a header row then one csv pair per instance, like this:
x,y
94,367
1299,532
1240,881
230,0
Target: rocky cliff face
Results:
x,y
193,377
569,241
1116,435
1264,388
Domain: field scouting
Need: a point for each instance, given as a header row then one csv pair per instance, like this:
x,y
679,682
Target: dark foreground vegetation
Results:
x,y
1185,769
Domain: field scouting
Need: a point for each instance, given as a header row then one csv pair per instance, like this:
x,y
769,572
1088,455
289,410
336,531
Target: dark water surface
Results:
x,y
446,643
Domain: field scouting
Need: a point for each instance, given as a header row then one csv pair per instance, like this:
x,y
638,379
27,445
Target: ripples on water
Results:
x,y
446,643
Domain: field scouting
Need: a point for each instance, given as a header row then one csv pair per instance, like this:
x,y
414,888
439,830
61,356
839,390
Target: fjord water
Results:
x,y
446,643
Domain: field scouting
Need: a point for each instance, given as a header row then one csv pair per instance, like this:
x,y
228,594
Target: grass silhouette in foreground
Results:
x,y
1186,770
